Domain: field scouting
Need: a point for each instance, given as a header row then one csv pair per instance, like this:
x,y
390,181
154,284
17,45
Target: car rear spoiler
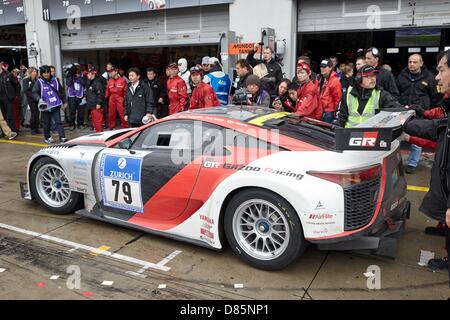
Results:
x,y
376,134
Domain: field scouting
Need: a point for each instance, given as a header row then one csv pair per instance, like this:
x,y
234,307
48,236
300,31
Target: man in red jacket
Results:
x,y
176,90
203,95
115,92
330,90
307,94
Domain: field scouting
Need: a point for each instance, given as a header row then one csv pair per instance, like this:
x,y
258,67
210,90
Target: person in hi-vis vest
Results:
x,y
362,101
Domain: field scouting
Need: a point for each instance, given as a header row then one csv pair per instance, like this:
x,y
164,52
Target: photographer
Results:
x,y
275,74
75,93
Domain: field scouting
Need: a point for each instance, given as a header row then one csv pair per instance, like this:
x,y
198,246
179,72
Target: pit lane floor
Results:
x,y
194,273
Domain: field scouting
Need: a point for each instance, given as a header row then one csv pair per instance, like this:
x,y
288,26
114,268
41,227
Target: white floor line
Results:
x,y
142,263
167,259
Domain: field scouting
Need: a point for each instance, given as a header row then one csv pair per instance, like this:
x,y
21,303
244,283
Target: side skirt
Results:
x,y
118,222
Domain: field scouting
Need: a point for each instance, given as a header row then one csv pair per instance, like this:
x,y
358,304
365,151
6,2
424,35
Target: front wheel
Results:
x,y
50,187
263,229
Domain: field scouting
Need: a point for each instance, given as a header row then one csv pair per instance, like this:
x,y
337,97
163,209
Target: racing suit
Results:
x,y
177,93
115,91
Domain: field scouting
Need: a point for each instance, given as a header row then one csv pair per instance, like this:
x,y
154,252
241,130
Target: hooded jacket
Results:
x,y
184,73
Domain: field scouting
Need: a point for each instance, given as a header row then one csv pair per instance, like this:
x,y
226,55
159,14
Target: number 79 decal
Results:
x,y
121,182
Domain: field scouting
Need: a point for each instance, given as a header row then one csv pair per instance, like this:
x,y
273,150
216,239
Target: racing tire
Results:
x,y
263,229
50,188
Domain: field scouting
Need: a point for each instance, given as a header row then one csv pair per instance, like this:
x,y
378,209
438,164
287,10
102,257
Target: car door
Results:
x,y
151,182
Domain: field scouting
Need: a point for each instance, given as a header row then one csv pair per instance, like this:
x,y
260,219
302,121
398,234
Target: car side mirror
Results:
x,y
125,144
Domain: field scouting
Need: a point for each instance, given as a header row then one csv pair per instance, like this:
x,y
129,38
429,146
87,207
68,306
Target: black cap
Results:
x,y
196,70
326,63
367,70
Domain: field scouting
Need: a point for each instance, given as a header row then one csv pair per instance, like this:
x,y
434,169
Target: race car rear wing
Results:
x,y
376,134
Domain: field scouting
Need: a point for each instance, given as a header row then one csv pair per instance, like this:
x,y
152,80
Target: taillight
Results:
x,y
349,178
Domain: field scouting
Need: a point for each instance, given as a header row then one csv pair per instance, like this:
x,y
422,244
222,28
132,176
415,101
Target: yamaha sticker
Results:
x,y
121,182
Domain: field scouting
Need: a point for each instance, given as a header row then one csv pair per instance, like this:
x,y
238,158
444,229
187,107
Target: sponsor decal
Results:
x,y
121,182
319,206
321,216
287,173
363,139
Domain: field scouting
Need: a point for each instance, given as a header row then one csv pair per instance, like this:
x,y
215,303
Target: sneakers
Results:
x,y
410,170
438,264
13,135
49,140
63,140
73,128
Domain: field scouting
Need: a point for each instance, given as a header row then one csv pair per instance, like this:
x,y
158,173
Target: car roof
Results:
x,y
240,113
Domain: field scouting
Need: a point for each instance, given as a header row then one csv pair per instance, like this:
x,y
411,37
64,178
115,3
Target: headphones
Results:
x,y
374,51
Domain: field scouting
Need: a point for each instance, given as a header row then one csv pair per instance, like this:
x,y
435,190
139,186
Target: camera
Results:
x,y
70,70
241,97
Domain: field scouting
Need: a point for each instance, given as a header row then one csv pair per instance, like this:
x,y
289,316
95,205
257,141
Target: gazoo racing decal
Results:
x,y
217,165
363,139
121,182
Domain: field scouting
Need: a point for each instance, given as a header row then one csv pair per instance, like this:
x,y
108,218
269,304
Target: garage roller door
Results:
x,y
340,15
187,26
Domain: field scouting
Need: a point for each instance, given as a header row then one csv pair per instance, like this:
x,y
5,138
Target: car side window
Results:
x,y
167,136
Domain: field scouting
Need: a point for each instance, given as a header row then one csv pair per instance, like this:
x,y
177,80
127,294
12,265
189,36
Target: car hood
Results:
x,y
99,138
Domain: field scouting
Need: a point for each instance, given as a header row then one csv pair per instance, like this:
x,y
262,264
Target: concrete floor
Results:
x,y
195,273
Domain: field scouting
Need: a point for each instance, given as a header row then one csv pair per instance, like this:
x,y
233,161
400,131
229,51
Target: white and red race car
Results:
x,y
265,182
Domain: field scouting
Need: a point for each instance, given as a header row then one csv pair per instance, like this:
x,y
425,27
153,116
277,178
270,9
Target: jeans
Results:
x,y
52,117
414,156
328,117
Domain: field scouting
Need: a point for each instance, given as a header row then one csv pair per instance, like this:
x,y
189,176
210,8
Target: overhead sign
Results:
x,y
63,9
241,48
11,12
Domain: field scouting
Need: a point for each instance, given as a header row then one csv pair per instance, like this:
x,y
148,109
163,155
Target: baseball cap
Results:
x,y
92,69
213,60
367,70
305,67
326,63
173,65
196,70
205,60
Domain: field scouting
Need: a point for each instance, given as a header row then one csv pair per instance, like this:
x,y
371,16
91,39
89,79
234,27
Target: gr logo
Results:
x,y
363,139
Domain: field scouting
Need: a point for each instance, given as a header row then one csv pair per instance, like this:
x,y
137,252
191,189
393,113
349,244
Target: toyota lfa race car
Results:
x,y
268,183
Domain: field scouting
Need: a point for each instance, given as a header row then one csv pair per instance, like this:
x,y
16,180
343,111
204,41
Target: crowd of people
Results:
x,y
343,95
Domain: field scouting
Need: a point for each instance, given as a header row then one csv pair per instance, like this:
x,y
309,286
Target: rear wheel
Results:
x,y
263,229
50,187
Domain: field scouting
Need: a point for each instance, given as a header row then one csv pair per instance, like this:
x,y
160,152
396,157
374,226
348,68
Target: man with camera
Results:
x,y
50,96
275,74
